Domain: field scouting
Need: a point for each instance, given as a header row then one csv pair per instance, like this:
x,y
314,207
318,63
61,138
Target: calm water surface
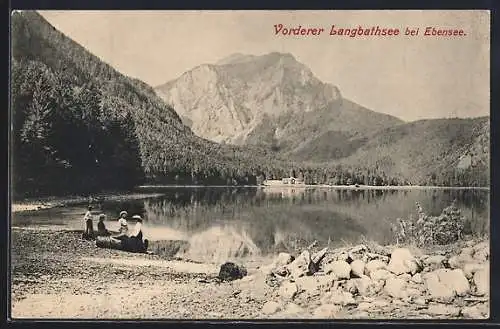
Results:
x,y
220,223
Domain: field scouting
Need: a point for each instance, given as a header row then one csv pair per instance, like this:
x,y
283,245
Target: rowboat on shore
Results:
x,y
125,244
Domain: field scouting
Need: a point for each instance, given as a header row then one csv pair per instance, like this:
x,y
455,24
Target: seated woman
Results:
x,y
137,233
101,228
123,222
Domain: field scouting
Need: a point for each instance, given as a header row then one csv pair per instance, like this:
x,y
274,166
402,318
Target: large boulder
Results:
x,y
396,287
283,259
339,268
230,271
434,262
436,289
445,284
279,265
481,252
480,311
288,290
417,278
456,280
402,261
471,268
381,274
366,287
374,265
301,266
482,281
271,307
315,283
464,257
357,268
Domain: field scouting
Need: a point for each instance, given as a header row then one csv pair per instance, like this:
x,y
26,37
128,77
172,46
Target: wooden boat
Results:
x,y
125,244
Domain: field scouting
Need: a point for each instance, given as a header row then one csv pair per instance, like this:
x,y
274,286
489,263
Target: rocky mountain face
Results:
x,y
269,99
275,102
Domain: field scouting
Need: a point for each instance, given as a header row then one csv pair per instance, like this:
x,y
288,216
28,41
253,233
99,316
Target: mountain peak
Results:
x,y
235,58
238,58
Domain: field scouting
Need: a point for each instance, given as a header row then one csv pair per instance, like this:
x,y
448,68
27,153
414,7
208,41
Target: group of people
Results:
x,y
122,221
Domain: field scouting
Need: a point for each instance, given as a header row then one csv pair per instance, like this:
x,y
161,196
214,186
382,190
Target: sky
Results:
x,y
411,77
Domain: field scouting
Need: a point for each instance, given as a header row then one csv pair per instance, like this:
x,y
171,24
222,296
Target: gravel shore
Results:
x,y
56,274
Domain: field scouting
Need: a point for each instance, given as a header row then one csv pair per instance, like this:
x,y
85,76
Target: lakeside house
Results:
x,y
284,181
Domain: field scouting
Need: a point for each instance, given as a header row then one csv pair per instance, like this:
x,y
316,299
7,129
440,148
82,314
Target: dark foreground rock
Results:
x,y
230,271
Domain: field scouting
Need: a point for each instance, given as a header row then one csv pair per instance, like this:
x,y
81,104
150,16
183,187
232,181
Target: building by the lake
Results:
x,y
284,181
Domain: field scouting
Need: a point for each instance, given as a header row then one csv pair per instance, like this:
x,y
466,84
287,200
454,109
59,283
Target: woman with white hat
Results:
x,y
122,221
137,233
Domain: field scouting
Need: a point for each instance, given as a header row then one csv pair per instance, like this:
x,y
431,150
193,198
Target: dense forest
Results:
x,y
79,126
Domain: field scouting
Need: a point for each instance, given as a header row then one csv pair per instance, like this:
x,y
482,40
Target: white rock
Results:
x,y
455,262
417,278
326,311
482,281
374,265
340,297
288,290
420,301
381,275
434,262
365,286
455,280
395,287
314,283
271,307
441,309
402,261
471,268
363,306
357,268
292,310
476,312
339,268
481,252
282,259
436,289
463,258
300,266
406,277
412,292
351,287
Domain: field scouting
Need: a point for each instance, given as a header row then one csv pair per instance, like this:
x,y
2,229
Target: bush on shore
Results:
x,y
424,230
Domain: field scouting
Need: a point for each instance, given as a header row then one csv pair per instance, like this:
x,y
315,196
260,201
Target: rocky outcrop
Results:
x,y
364,284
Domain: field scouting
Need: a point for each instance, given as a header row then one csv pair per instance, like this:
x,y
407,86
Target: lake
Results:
x,y
220,223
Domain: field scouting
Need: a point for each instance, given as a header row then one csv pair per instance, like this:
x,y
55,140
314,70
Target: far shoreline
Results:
x,y
335,187
34,203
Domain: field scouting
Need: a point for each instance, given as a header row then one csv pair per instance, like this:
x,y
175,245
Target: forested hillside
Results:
x,y
79,125
449,152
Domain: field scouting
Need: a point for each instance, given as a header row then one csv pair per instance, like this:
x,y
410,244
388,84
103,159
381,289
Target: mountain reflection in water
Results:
x,y
229,223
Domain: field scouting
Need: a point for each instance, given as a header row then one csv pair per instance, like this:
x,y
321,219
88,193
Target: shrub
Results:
x,y
427,230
